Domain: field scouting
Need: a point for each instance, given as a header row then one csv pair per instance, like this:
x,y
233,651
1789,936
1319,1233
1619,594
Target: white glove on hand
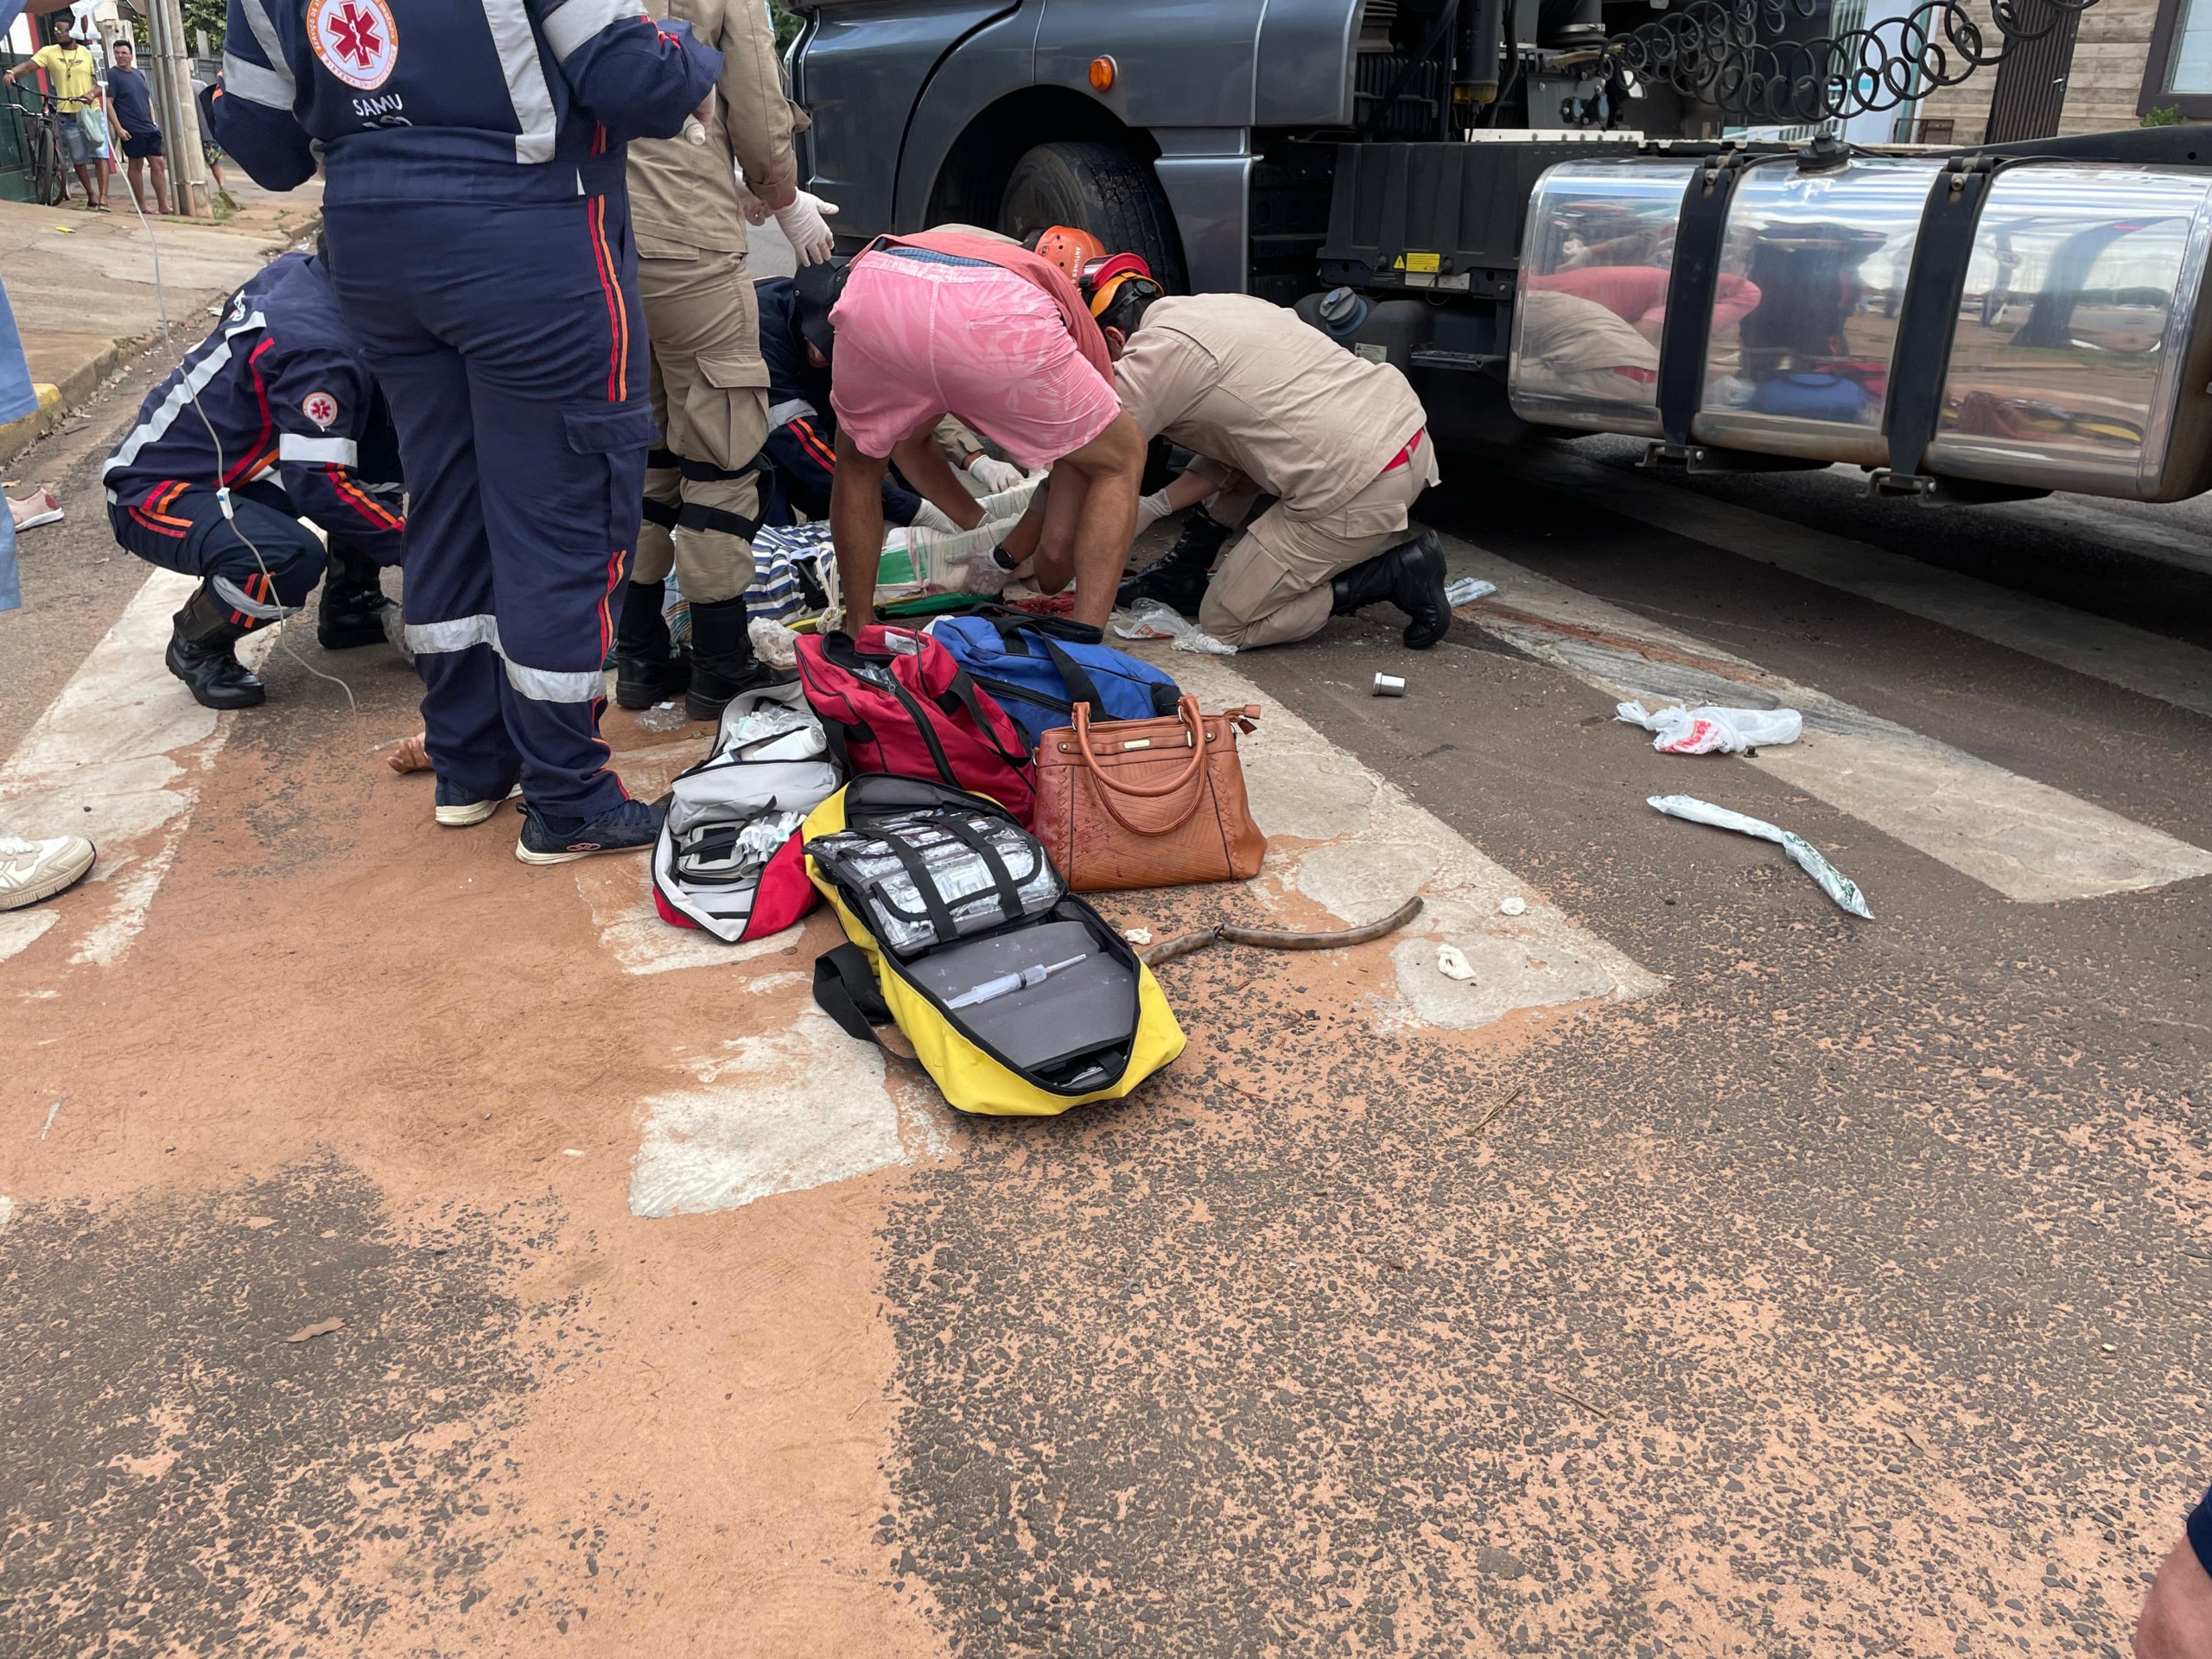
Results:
x,y
1151,509
933,517
996,475
805,225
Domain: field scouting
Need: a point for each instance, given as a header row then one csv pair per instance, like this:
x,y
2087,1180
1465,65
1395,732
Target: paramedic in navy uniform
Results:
x,y
480,235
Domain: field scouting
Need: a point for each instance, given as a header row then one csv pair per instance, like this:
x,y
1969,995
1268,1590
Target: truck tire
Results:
x,y
1104,189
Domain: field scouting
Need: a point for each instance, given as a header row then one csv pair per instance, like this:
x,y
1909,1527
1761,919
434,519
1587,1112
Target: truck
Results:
x,y
1586,215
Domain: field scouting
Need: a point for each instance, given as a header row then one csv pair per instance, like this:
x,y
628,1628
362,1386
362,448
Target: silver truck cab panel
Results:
x,y
860,65
1178,63
1306,48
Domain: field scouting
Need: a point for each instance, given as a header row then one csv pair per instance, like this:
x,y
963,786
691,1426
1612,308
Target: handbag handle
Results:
x,y
1107,789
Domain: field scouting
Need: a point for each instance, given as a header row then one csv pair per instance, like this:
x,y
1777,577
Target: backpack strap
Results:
x,y
961,694
975,841
917,871
845,989
1075,677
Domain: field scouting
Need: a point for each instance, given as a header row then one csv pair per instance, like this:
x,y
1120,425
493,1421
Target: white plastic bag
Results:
x,y
1807,857
1705,729
1155,620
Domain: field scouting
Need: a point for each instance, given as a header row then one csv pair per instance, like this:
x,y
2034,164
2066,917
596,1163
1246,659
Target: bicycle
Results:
x,y
49,168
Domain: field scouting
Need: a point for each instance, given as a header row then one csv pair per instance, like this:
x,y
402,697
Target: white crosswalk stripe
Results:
x,y
2025,839
2150,664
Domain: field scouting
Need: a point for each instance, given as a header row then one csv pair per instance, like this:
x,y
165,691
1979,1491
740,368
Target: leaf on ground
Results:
x,y
319,1328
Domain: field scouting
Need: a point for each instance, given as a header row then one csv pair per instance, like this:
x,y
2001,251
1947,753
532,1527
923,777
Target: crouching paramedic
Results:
x,y
1341,443
942,323
710,383
277,412
479,222
799,459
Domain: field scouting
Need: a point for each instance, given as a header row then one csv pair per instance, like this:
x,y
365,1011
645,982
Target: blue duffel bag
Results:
x,y
1038,668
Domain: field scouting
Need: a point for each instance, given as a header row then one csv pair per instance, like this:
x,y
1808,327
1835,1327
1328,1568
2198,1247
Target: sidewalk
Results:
x,y
83,291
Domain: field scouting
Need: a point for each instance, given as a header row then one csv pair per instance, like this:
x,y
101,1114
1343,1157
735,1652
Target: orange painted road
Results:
x,y
409,1252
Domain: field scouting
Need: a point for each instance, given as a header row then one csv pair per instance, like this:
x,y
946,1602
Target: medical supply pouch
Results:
x,y
1038,668
894,700
1015,1007
728,860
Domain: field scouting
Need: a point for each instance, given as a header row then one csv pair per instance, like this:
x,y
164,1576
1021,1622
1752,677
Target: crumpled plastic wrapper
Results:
x,y
1154,619
1467,590
1707,729
772,643
1807,857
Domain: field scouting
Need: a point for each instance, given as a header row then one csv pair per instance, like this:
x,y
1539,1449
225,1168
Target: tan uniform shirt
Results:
x,y
685,192
1242,382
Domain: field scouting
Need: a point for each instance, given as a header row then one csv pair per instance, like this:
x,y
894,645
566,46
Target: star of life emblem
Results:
x,y
320,408
357,39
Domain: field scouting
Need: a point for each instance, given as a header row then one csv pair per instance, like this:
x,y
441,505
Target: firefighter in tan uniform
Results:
x,y
1341,443
709,385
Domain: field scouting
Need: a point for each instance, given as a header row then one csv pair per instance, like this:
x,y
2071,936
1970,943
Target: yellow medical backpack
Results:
x,y
1054,1008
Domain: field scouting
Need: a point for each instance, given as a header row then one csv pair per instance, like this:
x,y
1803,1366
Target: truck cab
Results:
x,y
1728,268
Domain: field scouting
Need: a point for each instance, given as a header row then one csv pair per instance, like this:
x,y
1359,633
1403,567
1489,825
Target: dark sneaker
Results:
x,y
629,828
457,809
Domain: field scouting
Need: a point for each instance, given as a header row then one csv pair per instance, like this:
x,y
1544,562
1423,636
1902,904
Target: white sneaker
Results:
x,y
32,870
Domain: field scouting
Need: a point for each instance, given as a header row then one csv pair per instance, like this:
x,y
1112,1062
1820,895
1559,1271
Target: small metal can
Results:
x,y
1389,685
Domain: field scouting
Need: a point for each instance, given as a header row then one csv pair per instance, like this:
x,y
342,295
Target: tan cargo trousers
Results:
x,y
710,401
1273,588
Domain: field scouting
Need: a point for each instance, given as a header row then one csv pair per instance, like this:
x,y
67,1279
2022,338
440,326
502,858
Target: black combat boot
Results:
x,y
199,654
1411,576
647,670
1178,580
353,609
722,662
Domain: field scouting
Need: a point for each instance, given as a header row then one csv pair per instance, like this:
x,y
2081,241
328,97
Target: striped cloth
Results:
x,y
776,592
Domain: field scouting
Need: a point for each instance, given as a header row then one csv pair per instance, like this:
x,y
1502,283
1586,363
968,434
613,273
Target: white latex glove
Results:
x,y
806,224
1151,509
933,517
996,475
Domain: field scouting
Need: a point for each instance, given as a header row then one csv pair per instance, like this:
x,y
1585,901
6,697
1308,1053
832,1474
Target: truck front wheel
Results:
x,y
1105,189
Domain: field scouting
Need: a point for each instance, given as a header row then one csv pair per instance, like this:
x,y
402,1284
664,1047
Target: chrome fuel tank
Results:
x,y
1597,254
1813,273
2080,359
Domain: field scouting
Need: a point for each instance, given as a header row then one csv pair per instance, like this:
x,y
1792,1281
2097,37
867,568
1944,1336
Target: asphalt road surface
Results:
x,y
1714,1273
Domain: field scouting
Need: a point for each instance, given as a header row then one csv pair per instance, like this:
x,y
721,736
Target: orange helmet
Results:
x,y
1101,277
1069,248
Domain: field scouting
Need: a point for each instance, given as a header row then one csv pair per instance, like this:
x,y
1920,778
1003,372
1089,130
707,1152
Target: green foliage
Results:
x,y
2166,117
788,23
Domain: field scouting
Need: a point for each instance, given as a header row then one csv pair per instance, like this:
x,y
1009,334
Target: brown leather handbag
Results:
x,y
1147,803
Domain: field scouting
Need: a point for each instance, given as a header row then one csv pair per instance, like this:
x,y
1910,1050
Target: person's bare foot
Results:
x,y
413,755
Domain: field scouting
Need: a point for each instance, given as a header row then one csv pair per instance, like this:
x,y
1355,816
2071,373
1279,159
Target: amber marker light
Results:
x,y
1102,74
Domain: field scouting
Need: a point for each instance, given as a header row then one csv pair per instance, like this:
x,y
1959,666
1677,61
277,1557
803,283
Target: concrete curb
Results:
x,y
57,402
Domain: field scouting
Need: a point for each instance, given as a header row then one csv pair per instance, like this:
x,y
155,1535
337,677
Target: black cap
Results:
x,y
817,287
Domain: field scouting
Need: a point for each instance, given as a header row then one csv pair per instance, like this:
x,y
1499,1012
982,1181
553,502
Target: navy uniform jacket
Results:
x,y
801,440
451,100
282,384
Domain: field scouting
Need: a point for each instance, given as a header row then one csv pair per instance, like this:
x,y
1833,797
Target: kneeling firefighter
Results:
x,y
272,418
1342,443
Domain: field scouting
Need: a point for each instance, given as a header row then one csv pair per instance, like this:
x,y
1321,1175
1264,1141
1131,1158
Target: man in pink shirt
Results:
x,y
946,324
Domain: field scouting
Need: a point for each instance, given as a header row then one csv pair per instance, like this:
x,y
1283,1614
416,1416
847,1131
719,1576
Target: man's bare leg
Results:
x,y
921,458
856,529
134,174
160,169
1112,466
2177,1618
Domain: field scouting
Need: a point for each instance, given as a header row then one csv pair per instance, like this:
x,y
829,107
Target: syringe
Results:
x,y
990,990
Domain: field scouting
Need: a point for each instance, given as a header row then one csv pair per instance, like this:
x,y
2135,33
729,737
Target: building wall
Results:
x,y
2109,54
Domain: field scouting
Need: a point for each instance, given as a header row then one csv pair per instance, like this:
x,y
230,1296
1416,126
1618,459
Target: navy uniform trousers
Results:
x,y
509,342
